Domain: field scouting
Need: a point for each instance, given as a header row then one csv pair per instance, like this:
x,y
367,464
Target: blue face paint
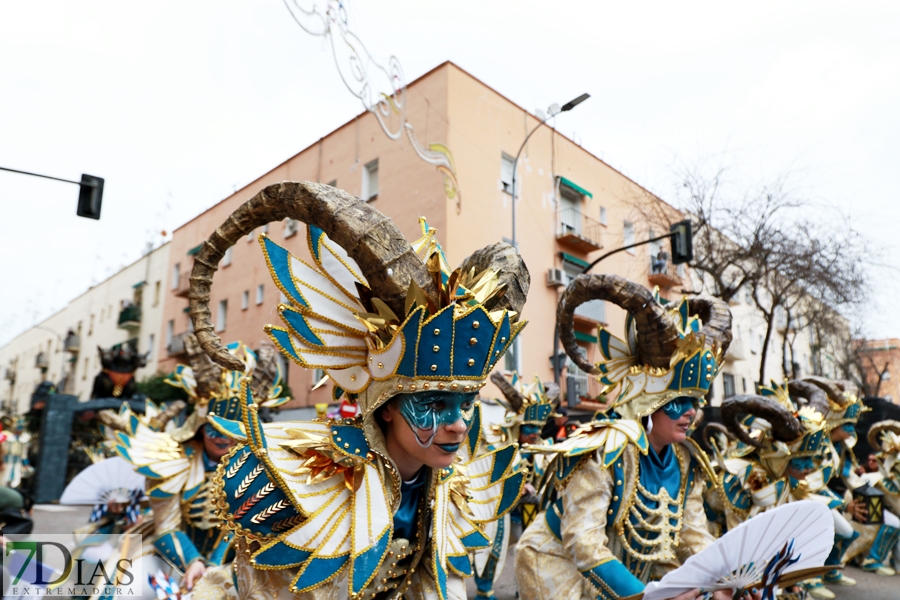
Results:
x,y
849,428
530,429
678,407
424,412
211,432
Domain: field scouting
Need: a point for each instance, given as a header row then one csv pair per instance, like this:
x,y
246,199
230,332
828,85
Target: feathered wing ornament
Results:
x,y
110,480
156,455
778,547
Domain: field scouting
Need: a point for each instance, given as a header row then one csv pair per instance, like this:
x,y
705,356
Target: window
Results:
x,y
87,365
170,332
245,299
176,273
222,315
569,207
728,385
226,260
290,228
744,383
151,342
318,374
370,181
259,294
506,172
886,376
156,287
628,235
91,326
603,215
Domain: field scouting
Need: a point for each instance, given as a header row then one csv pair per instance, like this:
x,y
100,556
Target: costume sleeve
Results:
x,y
586,501
171,542
695,535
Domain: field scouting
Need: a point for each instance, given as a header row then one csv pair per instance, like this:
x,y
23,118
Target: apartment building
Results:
x,y
571,208
126,307
881,363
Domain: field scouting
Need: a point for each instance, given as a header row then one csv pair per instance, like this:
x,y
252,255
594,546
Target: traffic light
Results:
x,y
90,197
682,242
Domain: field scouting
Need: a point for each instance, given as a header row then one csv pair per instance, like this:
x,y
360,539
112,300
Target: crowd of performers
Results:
x,y
418,492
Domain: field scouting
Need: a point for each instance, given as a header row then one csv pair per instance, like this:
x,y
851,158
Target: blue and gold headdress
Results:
x,y
668,351
334,323
526,403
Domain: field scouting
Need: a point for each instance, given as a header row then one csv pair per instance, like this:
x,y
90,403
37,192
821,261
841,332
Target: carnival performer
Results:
x,y
180,464
529,407
884,437
387,504
623,502
14,465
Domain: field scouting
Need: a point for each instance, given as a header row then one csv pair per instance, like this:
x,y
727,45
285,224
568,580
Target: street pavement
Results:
x,y
52,518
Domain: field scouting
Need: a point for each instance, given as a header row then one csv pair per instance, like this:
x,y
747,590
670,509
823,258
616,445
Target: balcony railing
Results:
x,y
130,317
578,230
663,273
737,350
592,310
176,346
184,285
72,343
586,387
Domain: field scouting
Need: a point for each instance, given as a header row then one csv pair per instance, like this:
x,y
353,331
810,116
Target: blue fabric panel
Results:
x,y
279,261
463,348
604,342
318,570
614,574
282,339
347,434
474,433
299,326
476,539
146,471
618,474
365,565
502,341
407,366
502,459
281,555
441,576
676,376
461,564
217,557
512,489
690,374
313,234
158,494
553,517
231,428
427,357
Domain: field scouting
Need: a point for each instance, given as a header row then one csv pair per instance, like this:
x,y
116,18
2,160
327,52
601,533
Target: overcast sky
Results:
x,y
176,104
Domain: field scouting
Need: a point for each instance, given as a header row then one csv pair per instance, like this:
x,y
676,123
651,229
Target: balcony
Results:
x,y
593,311
130,317
184,285
176,345
578,230
72,343
660,272
737,351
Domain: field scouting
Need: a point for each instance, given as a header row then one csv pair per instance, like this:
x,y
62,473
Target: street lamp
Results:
x,y
554,110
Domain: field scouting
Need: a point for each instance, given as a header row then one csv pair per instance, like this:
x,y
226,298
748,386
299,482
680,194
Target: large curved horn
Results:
x,y
511,271
657,336
713,427
880,427
716,318
265,372
551,391
834,388
385,257
813,394
785,426
207,374
512,395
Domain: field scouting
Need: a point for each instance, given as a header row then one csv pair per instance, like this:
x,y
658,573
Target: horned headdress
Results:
x,y
667,352
380,315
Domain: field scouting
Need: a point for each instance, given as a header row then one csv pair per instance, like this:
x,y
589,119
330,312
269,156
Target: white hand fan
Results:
x,y
788,539
110,480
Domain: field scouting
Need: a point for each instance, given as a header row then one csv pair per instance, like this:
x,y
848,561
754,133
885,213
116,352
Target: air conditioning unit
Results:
x,y
556,278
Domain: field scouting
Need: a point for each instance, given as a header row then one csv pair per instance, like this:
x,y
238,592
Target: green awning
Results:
x,y
575,186
574,260
585,337
139,284
194,250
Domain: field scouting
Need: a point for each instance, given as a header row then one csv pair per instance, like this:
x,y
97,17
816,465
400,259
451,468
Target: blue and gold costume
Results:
x,y
318,508
179,473
617,512
528,408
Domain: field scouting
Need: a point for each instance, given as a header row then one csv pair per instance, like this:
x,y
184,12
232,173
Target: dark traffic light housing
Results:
x,y
682,242
90,197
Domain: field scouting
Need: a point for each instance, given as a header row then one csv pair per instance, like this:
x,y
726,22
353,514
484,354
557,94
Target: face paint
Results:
x,y
679,406
530,429
425,412
211,432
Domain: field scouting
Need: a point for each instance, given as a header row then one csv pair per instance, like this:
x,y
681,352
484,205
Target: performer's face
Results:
x,y
529,434
427,428
215,444
672,422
